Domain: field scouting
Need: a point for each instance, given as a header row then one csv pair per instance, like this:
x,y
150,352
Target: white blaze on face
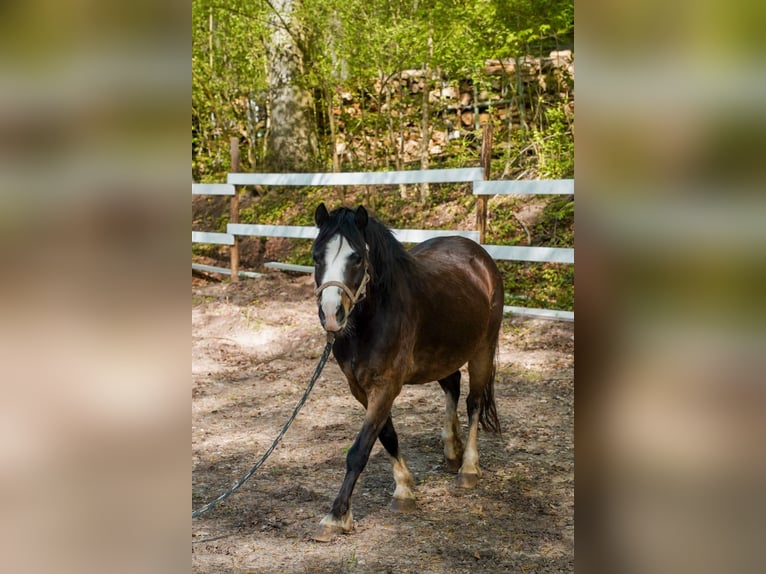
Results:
x,y
336,254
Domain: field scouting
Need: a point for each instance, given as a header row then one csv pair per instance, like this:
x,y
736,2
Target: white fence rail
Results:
x,y
223,270
292,231
212,189
535,254
525,187
310,232
457,175
211,237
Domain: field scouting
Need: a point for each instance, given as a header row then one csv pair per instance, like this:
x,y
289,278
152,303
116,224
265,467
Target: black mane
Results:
x,y
392,265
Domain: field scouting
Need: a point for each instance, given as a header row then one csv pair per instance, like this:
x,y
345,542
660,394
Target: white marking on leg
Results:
x,y
345,523
453,447
471,454
403,478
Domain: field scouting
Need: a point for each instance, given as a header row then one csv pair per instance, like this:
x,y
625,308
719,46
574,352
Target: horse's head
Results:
x,y
341,264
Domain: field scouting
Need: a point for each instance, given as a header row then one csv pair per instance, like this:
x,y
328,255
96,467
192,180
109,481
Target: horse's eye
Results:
x,y
355,259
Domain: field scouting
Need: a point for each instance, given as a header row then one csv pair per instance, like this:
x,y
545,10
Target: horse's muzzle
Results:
x,y
333,322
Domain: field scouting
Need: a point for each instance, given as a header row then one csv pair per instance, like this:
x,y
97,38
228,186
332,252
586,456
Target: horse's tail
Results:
x,y
488,412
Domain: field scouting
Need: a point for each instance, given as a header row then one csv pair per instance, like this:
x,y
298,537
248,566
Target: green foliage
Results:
x,y
227,76
555,146
535,284
547,285
360,47
556,227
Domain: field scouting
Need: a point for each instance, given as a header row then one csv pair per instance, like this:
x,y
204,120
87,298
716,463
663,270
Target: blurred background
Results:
x,y
670,272
94,340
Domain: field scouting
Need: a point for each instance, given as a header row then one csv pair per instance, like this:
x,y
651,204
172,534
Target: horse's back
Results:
x,y
462,264
461,302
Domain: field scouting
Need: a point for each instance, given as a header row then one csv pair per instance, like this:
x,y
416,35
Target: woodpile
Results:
x,y
530,67
458,107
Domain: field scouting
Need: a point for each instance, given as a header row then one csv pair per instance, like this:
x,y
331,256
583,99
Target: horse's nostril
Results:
x,y
340,315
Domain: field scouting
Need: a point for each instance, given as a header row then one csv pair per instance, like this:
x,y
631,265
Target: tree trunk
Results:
x,y
395,147
400,151
425,131
333,131
292,139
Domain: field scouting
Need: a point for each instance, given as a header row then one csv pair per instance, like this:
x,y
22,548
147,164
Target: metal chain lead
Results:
x,y
249,473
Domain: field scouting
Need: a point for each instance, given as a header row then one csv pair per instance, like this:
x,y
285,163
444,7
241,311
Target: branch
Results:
x,y
526,229
224,8
284,23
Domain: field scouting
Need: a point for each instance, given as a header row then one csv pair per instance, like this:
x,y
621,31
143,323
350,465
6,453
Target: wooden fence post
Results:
x,y
234,209
481,200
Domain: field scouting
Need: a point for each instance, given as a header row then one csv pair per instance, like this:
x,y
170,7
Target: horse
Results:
x,y
402,317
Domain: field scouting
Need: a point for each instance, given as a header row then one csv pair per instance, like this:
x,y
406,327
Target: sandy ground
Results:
x,y
255,345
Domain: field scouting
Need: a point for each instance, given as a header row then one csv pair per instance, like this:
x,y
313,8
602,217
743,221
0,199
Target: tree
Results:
x,y
227,85
294,78
292,137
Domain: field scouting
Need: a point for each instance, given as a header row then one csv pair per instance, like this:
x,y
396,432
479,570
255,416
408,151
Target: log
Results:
x,y
202,275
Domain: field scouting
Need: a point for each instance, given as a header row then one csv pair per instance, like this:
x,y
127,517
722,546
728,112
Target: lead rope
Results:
x,y
249,473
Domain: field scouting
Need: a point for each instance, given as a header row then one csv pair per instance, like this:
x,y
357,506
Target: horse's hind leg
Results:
x,y
479,373
404,500
453,447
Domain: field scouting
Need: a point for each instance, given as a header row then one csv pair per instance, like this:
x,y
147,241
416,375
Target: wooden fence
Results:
x,y
481,189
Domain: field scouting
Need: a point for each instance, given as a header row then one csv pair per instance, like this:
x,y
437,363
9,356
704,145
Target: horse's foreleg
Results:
x,y
340,519
404,500
453,447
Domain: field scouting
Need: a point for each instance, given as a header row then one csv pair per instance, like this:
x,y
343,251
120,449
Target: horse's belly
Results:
x,y
435,366
423,377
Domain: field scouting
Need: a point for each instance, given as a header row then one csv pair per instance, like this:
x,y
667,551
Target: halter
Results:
x,y
361,291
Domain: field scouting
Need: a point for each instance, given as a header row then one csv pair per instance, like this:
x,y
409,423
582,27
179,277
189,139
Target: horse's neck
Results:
x,y
377,319
387,305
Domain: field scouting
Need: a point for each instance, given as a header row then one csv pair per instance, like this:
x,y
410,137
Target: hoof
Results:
x,y
403,505
467,480
453,465
327,532
330,527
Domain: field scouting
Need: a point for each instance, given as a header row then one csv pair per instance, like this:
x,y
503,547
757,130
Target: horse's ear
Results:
x,y
361,218
321,215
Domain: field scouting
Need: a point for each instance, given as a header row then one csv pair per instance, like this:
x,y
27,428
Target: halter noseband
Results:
x,y
361,291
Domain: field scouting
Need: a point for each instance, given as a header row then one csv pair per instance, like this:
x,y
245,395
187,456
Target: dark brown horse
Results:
x,y
401,318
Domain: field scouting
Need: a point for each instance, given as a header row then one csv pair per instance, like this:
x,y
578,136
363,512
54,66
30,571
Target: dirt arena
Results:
x,y
255,345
